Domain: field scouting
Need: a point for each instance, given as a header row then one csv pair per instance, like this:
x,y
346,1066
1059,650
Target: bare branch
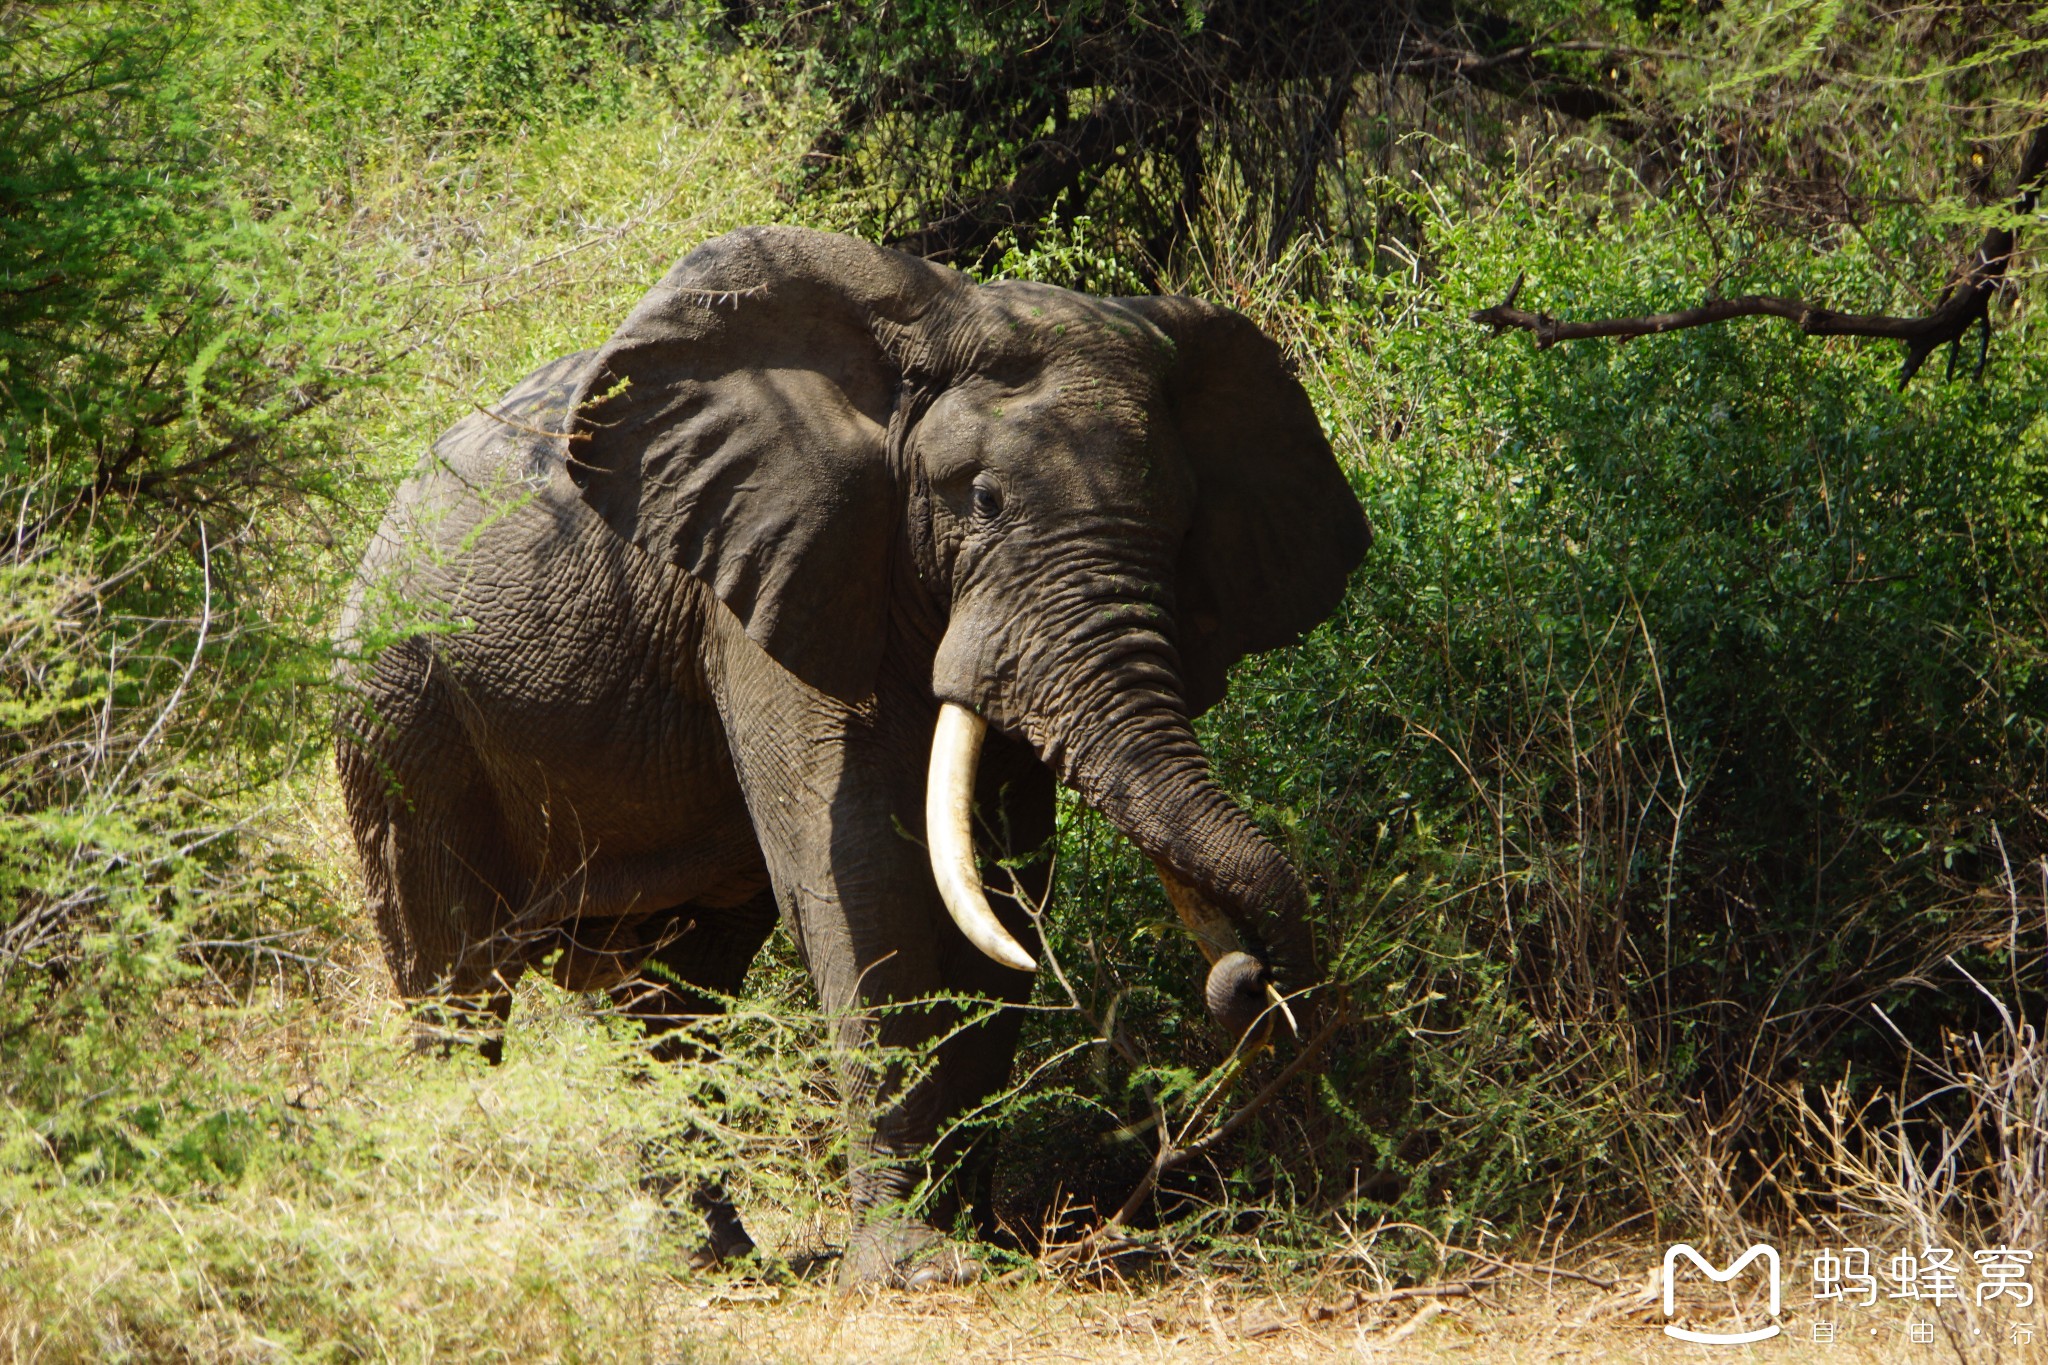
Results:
x,y
1965,304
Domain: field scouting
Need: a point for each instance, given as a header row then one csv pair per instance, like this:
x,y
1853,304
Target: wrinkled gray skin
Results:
x,y
639,703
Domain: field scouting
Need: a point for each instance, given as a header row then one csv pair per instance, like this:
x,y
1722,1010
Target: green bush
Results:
x,y
333,87
157,325
252,258
1689,707
197,317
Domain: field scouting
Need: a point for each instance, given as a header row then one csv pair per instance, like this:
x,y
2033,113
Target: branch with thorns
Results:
x,y
1176,1148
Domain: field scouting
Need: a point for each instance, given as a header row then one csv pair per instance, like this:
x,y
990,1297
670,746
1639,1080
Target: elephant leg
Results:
x,y
440,885
1016,797
836,794
929,1133
698,959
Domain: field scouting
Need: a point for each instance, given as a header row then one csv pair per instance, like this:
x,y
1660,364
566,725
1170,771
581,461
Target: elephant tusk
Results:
x,y
1279,1001
1213,932
949,833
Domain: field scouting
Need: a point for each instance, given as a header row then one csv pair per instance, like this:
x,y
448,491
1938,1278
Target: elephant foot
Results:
x,y
901,1254
712,1254
726,1240
948,1269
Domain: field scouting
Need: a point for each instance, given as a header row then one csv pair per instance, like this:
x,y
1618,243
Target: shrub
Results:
x,y
1676,722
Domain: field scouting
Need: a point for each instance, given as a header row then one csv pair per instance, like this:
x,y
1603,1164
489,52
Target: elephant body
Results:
x,y
538,743
652,652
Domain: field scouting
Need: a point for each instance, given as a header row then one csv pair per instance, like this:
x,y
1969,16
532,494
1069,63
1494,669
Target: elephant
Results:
x,y
827,564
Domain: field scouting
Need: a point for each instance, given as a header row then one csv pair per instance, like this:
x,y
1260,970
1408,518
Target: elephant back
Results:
x,y
493,457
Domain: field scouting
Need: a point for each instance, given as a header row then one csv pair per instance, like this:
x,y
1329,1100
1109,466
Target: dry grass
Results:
x,y
396,1208
1517,1319
400,1209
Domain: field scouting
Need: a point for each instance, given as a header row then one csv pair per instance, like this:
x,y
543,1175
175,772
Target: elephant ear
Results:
x,y
1277,529
734,426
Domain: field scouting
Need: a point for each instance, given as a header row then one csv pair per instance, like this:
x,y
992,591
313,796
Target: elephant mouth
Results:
x,y
1237,991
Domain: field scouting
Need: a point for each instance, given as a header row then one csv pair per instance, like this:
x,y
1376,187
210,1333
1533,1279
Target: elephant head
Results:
x,y
1076,512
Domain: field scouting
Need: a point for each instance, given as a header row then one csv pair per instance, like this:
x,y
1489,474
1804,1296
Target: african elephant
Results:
x,y
826,548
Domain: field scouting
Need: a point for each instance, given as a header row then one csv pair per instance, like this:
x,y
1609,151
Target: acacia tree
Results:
x,y
964,120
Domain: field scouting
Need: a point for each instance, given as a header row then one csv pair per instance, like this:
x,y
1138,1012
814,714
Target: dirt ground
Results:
x,y
1516,1315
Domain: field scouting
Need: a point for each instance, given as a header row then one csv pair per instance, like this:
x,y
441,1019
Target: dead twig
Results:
x,y
1535,1272
542,432
1965,304
1358,1299
1423,1317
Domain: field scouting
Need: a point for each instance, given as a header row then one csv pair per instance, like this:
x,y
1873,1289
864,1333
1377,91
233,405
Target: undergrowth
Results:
x,y
1671,758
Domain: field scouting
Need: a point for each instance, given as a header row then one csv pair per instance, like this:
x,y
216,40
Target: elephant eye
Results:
x,y
987,500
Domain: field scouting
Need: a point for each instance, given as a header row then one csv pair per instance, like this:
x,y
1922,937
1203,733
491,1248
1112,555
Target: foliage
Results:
x,y
157,325
1670,759
147,362
1692,706
200,332
1678,751
332,87
958,121
1815,92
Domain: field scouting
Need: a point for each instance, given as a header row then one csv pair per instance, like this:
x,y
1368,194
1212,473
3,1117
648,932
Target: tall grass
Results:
x,y
278,290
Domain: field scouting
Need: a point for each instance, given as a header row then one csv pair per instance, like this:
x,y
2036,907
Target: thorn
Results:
x,y
1285,1013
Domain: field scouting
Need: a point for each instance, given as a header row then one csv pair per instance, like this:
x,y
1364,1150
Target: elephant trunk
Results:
x,y
1150,778
1101,703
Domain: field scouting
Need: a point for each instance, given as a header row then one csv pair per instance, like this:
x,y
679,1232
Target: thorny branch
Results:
x,y
1173,1153
1171,1156
1965,304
